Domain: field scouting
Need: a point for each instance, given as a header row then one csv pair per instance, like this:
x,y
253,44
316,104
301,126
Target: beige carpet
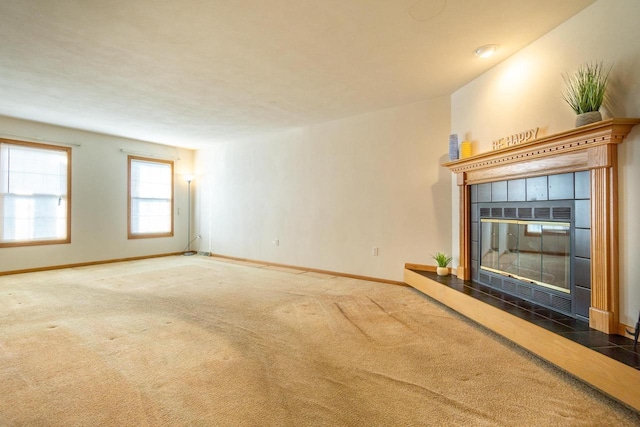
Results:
x,y
194,341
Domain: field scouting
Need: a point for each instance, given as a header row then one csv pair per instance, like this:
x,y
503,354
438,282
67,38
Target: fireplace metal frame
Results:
x,y
546,296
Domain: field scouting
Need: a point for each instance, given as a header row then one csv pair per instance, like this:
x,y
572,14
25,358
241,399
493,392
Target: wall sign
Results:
x,y
516,138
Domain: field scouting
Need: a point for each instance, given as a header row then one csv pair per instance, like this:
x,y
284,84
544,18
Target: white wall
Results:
x,y
332,192
99,199
525,91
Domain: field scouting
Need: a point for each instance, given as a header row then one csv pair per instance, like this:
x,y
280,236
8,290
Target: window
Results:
x,y
150,198
35,194
538,229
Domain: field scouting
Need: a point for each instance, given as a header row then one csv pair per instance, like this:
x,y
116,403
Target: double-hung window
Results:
x,y
150,198
35,194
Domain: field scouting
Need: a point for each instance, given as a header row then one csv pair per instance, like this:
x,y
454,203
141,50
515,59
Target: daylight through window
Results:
x,y
150,198
35,181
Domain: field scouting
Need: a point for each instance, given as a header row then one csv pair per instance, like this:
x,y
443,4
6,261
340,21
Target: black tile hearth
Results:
x,y
613,346
554,326
621,354
589,339
575,324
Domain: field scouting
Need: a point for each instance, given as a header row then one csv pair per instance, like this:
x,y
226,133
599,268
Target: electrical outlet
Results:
x,y
276,242
374,251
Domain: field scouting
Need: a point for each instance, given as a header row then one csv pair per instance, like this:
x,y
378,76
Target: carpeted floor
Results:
x,y
194,341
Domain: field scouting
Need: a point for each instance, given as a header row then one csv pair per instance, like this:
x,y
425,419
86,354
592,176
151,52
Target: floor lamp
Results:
x,y
188,250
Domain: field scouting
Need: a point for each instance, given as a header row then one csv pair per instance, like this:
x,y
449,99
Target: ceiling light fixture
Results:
x,y
486,51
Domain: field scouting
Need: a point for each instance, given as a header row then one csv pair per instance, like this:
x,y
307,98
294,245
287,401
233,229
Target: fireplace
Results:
x,y
566,178
577,167
528,248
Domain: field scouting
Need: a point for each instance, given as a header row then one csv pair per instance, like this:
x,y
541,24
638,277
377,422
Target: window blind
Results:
x,y
151,193
33,193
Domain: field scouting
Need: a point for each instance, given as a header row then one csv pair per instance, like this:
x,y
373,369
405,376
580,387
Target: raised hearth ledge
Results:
x,y
608,375
592,147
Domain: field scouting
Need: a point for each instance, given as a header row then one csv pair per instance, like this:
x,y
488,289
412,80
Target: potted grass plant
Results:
x,y
585,91
443,261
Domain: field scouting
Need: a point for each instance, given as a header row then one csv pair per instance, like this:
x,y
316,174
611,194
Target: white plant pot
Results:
x,y
442,271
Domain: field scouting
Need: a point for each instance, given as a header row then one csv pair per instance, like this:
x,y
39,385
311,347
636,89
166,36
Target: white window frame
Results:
x,y
145,235
62,198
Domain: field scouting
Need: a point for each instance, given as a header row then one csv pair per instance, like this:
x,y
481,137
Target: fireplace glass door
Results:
x,y
534,251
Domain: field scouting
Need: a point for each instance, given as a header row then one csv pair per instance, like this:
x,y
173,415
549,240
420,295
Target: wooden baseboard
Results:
x,y
622,330
314,270
108,261
608,375
85,264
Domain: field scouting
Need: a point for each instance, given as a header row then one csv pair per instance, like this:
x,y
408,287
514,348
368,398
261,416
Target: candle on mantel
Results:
x,y
465,149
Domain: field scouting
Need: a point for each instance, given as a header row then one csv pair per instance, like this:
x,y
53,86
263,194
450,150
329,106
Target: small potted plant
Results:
x,y
585,90
443,261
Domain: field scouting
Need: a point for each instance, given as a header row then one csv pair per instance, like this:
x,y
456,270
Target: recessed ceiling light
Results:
x,y
486,51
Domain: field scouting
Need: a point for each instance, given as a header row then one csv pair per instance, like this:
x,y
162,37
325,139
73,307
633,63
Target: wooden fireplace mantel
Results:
x,y
592,147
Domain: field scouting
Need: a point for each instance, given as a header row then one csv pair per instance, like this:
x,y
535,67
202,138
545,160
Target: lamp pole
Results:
x,y
189,251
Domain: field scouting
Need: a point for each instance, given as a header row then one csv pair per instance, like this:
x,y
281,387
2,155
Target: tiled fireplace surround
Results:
x,y
569,189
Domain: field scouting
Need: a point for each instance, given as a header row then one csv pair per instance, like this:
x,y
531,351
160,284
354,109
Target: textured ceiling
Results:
x,y
193,72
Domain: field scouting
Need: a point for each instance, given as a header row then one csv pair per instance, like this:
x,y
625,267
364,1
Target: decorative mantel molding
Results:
x,y
592,147
562,152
